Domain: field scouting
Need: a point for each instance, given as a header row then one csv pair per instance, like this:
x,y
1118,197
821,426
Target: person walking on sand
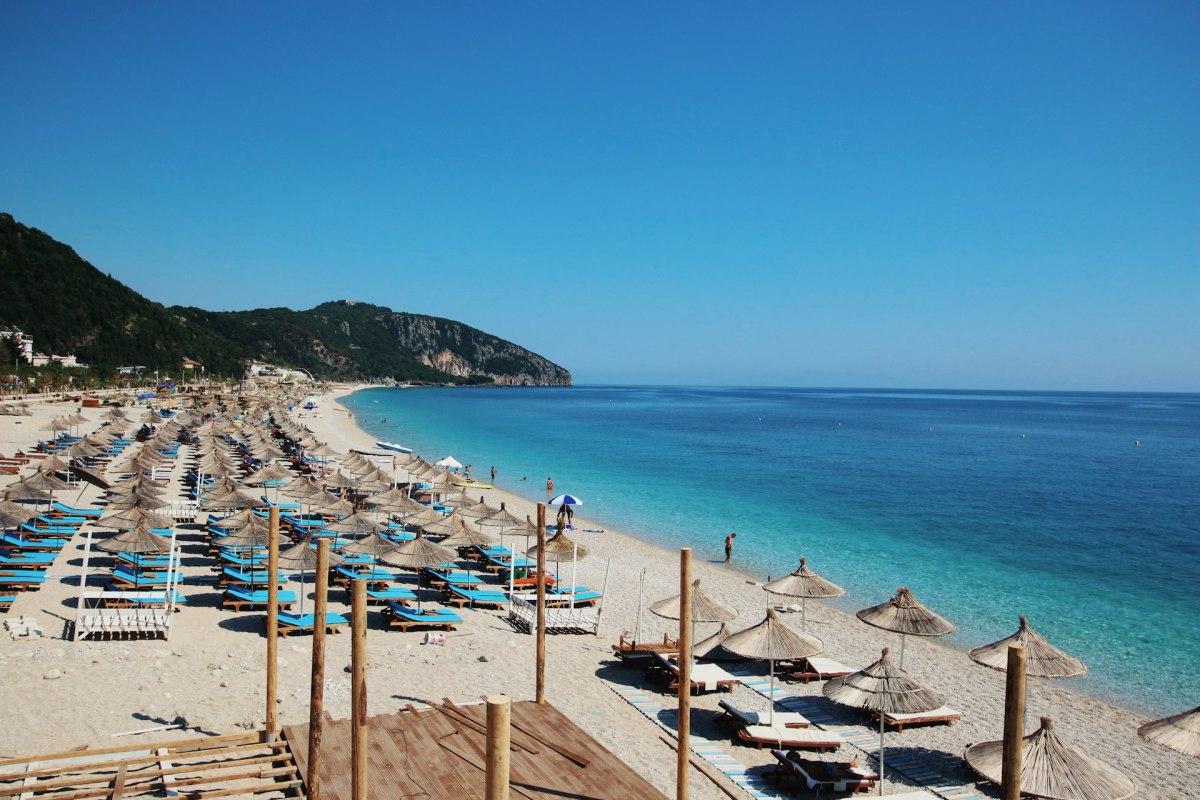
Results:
x,y
729,546
549,487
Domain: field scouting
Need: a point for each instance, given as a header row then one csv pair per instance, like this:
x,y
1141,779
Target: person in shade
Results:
x,y
729,546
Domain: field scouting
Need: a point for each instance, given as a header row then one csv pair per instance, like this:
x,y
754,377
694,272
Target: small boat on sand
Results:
x,y
396,448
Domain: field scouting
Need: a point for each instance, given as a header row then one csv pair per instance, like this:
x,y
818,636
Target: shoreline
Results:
x,y
734,572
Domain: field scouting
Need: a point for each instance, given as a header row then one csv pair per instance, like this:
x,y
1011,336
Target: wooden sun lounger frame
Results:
x,y
396,621
285,630
751,741
626,649
237,604
893,724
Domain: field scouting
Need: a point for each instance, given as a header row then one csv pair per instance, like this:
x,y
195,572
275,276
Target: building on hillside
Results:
x,y
138,370
190,365
42,360
24,343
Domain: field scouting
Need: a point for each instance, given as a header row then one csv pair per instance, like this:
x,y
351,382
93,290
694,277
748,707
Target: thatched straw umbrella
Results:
x,y
416,555
419,519
882,688
137,540
1179,732
804,583
12,514
127,518
447,525
704,609
46,482
710,649
480,511
373,545
1043,660
1052,768
300,559
464,534
502,518
560,548
905,615
772,640
355,525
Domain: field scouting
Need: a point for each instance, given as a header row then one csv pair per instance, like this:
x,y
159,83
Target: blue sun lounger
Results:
x,y
42,521
458,596
238,560
141,561
23,578
21,543
373,574
76,512
296,623
236,597
391,593
453,577
232,575
140,598
405,617
125,578
34,560
493,563
358,558
395,535
562,595
6,601
50,530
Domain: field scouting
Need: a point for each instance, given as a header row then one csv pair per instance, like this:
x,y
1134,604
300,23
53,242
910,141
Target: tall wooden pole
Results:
x,y
358,689
683,754
1014,723
316,697
540,694
497,753
272,626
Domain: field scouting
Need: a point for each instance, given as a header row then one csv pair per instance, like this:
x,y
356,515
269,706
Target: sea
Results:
x,y
1080,510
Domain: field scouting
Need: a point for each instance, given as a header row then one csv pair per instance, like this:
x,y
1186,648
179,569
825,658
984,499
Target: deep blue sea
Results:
x,y
986,504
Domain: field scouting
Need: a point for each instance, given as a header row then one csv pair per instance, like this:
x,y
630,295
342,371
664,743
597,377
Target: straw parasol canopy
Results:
x,y
302,557
254,533
355,525
882,688
419,519
138,539
561,547
710,649
704,608
804,583
463,534
479,511
502,518
23,491
772,640
1052,768
12,515
128,518
272,472
1043,659
46,482
1179,732
904,614
417,554
374,545
445,526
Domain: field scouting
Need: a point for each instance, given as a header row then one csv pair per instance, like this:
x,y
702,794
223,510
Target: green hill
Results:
x,y
70,307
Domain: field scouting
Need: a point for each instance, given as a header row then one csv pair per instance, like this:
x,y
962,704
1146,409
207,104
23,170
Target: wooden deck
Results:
x,y
240,764
438,753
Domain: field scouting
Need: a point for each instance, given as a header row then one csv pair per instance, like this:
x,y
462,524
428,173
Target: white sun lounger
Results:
x,y
944,715
790,738
783,719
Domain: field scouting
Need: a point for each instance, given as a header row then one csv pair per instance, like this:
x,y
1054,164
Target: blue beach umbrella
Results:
x,y
565,500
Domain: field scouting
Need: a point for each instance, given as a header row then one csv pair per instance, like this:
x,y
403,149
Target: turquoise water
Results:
x,y
985,504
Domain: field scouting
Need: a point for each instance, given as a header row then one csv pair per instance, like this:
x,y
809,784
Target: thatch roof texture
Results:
x,y
772,640
905,614
704,608
418,554
804,583
1179,732
884,688
139,539
1052,768
1043,660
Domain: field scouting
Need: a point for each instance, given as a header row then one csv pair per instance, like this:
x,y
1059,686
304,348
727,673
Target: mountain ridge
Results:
x,y
69,306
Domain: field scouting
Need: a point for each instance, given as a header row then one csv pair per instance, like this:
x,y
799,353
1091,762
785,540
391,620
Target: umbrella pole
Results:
x,y
637,627
771,659
574,564
902,640
881,719
803,613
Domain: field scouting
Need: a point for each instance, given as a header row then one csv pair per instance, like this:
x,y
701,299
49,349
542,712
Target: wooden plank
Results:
x,y
99,775
191,743
118,787
94,766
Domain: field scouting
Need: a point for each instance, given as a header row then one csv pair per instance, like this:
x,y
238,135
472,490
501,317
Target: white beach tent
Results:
x,y
450,462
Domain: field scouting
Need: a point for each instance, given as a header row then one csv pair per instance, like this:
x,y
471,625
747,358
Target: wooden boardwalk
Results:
x,y
438,753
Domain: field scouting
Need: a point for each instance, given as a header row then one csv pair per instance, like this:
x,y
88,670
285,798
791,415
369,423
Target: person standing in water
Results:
x,y
729,546
493,473
549,487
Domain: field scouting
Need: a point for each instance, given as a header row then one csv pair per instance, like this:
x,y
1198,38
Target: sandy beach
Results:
x,y
58,694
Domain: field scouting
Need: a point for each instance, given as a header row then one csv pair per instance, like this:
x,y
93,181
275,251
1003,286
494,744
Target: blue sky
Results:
x,y
882,194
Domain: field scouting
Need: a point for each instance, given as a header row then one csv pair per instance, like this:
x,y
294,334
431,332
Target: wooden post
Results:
x,y
685,673
1014,723
498,710
358,689
540,695
316,698
272,625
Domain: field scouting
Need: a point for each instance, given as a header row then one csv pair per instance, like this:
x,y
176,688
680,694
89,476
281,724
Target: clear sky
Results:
x,y
874,194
